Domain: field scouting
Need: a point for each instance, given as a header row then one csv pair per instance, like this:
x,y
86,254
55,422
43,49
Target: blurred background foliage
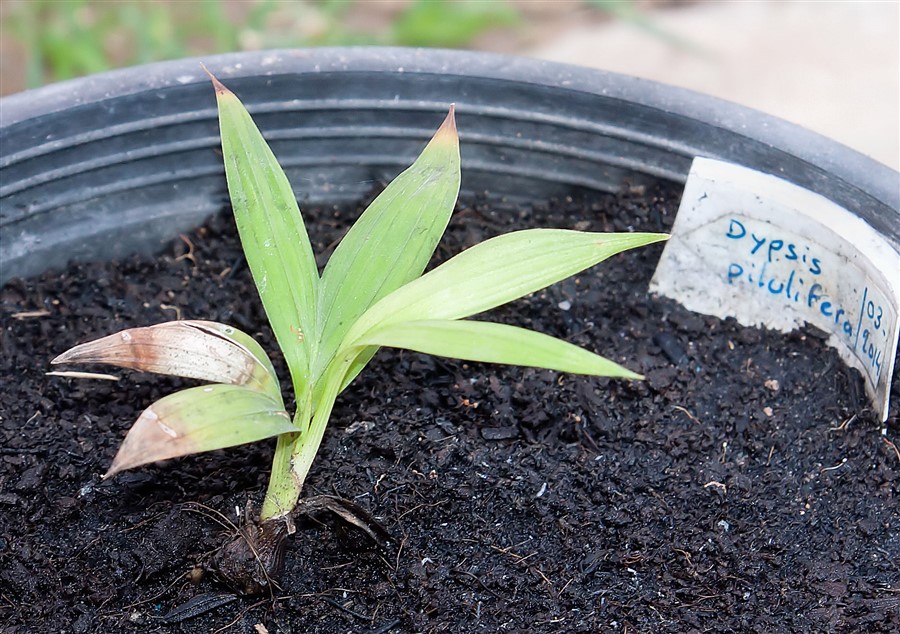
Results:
x,y
820,64
52,40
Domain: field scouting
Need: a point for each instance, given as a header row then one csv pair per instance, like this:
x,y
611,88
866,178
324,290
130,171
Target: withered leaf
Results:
x,y
204,350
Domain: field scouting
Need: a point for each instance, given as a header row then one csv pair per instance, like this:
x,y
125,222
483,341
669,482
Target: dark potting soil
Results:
x,y
743,487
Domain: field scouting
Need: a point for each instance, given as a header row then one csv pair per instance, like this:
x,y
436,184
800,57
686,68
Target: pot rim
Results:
x,y
820,150
588,104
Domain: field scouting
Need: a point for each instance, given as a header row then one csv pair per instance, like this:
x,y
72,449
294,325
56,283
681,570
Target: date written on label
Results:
x,y
789,272
768,252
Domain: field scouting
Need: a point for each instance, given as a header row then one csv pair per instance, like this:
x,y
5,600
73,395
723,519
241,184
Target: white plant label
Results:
x,y
769,253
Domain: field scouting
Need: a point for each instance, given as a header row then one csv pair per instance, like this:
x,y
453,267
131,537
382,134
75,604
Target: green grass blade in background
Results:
x,y
497,271
629,12
273,236
449,23
200,419
494,343
392,241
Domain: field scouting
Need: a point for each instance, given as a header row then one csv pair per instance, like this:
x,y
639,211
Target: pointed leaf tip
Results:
x,y
448,127
217,85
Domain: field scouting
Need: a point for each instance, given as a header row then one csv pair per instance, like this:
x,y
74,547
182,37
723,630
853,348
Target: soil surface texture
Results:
x,y
743,487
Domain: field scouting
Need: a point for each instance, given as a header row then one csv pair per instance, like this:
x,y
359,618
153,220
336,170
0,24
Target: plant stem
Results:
x,y
283,491
295,453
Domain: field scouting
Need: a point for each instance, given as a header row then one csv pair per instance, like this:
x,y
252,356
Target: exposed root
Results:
x,y
253,562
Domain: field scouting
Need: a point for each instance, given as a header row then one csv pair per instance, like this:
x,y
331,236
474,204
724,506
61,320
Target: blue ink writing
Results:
x,y
788,271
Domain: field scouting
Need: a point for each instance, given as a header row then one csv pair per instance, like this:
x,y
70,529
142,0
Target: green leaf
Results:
x,y
360,361
495,272
273,236
392,241
204,350
493,343
200,419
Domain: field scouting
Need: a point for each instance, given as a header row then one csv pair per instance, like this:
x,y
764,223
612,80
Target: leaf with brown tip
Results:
x,y
391,242
204,350
200,419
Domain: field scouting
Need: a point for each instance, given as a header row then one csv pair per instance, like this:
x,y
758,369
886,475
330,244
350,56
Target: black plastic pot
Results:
x,y
111,164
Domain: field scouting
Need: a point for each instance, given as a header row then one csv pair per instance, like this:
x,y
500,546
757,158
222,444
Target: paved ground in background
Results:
x,y
833,67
